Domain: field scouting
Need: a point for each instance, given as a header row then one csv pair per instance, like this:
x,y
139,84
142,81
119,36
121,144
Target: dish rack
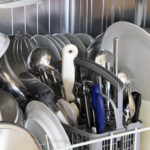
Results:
x,y
122,138
128,141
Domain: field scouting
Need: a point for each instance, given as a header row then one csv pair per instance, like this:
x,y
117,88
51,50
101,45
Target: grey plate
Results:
x,y
12,57
63,38
76,41
94,48
86,39
61,43
58,46
43,42
9,65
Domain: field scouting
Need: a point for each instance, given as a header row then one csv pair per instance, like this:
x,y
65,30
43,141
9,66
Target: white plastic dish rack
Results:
x,y
128,139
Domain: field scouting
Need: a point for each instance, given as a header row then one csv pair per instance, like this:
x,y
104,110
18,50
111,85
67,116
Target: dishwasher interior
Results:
x,y
117,26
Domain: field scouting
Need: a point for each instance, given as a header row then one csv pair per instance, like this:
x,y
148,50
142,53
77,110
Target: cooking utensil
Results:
x,y
4,43
16,138
69,53
12,86
98,106
137,97
9,108
105,59
76,41
41,122
86,39
127,78
90,71
42,92
37,57
45,43
87,98
131,105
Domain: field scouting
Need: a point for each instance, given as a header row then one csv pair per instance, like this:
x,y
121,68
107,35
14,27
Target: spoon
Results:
x,y
127,78
37,57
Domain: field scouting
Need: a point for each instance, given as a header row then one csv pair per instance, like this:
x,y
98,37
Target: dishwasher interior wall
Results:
x,y
87,16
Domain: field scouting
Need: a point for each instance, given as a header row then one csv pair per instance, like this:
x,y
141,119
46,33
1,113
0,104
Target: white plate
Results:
x,y
45,120
134,52
68,111
4,43
13,137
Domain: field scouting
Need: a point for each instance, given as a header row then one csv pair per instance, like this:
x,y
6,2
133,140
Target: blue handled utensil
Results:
x,y
98,105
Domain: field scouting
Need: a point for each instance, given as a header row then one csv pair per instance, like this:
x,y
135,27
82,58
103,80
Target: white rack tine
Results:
x,y
68,16
37,18
12,21
135,139
25,19
111,141
49,16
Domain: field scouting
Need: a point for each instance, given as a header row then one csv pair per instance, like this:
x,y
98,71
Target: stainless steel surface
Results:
x,y
105,59
126,77
9,108
9,84
37,57
16,138
87,16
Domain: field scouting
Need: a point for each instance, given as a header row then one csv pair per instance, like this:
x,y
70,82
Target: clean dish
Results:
x,y
134,52
94,48
68,111
63,38
58,46
76,41
41,116
13,137
86,39
61,43
4,43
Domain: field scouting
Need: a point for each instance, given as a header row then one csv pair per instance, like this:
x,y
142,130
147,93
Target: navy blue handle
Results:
x,y
98,106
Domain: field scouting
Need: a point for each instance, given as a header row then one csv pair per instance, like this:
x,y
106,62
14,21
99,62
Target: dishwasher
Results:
x,y
74,75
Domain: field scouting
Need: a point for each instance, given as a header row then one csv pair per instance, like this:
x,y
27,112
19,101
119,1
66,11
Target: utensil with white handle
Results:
x,y
69,53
